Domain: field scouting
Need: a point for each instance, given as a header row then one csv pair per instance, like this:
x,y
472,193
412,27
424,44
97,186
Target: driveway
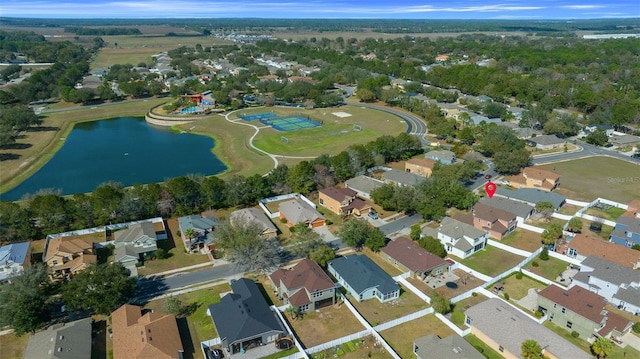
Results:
x,y
396,225
329,238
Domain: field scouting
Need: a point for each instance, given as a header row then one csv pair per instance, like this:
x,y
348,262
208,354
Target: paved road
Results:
x,y
587,151
415,125
399,224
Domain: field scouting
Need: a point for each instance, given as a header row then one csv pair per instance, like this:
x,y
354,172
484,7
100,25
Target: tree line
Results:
x,y
102,31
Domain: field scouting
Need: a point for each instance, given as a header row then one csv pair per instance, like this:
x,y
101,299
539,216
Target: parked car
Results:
x,y
373,215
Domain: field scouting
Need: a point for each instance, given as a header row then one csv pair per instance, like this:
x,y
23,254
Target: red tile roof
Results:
x,y
412,256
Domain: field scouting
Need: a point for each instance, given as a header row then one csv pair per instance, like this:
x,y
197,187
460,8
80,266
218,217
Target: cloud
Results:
x,y
582,7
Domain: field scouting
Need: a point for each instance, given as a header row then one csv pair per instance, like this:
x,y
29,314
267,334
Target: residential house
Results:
x,y
299,211
546,142
243,319
618,284
522,210
152,335
363,185
579,310
408,256
442,58
134,242
504,328
443,156
14,258
627,231
342,201
399,83
202,226
453,346
594,126
305,286
582,246
516,112
460,239
624,140
478,119
524,133
633,209
363,279
309,80
422,167
484,98
531,196
534,178
400,178
71,340
497,222
68,255
253,214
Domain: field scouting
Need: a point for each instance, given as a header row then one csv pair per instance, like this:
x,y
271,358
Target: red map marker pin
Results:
x,y
490,188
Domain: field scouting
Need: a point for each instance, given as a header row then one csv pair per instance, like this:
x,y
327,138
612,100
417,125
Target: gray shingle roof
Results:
x,y
297,211
401,177
510,328
547,140
61,341
518,208
243,314
609,271
630,295
363,184
531,196
453,346
256,215
197,222
362,273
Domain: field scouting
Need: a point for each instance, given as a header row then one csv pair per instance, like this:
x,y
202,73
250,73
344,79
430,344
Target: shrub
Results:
x,y
506,296
519,275
535,264
636,327
328,222
474,294
544,255
575,334
538,314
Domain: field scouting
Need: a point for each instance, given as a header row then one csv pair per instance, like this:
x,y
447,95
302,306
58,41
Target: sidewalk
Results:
x,y
217,262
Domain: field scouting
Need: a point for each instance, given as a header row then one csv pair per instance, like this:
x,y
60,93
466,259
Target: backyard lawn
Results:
x,y
326,324
518,288
549,269
611,214
617,352
491,261
366,347
523,239
198,325
401,337
13,346
581,182
375,312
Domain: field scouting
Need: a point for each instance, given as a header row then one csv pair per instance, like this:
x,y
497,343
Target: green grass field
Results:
x,y
335,135
589,178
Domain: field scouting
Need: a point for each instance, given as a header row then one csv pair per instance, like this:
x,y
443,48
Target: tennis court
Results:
x,y
259,116
290,123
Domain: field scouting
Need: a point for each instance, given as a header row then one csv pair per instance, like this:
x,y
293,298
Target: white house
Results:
x,y
459,238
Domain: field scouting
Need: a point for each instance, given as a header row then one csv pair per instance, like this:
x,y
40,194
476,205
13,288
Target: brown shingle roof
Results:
x,y
590,246
492,214
615,322
137,336
578,300
411,255
70,244
338,194
306,273
423,162
531,172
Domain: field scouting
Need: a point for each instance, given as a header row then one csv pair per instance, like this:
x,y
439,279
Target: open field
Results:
x,y
109,57
33,148
361,35
160,42
589,178
200,327
491,261
523,239
376,313
401,337
326,324
335,135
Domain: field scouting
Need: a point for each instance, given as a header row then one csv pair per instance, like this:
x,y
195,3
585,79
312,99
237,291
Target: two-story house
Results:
x,y
582,311
408,256
342,201
363,279
201,227
535,178
618,284
459,239
422,167
522,210
305,286
496,222
581,246
14,258
68,255
255,215
134,242
363,185
627,231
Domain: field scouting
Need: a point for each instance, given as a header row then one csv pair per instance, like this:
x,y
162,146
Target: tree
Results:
x,y
511,162
322,254
432,245
23,301
301,177
544,254
575,225
545,208
304,240
552,233
602,347
354,233
439,303
598,137
173,305
102,287
416,231
190,234
243,245
375,239
531,349
366,95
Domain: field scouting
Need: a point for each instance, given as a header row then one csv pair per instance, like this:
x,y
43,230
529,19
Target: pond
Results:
x,y
125,150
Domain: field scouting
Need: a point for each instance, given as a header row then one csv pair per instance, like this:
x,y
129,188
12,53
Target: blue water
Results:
x,y
191,110
125,150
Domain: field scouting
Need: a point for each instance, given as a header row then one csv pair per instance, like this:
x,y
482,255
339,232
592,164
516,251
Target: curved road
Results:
x,y
415,125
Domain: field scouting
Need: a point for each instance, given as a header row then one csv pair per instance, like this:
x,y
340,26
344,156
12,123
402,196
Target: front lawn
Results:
x,y
491,261
401,337
523,239
375,312
326,324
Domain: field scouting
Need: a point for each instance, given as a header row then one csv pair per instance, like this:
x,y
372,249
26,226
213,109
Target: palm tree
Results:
x,y
531,349
190,234
292,311
602,347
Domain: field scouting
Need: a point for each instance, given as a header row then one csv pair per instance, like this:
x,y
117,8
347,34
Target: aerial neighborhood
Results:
x,y
312,189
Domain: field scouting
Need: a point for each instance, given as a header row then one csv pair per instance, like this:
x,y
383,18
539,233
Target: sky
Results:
x,y
386,9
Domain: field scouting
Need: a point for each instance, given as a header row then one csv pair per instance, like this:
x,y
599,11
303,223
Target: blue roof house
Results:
x,y
14,258
201,227
363,279
626,232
